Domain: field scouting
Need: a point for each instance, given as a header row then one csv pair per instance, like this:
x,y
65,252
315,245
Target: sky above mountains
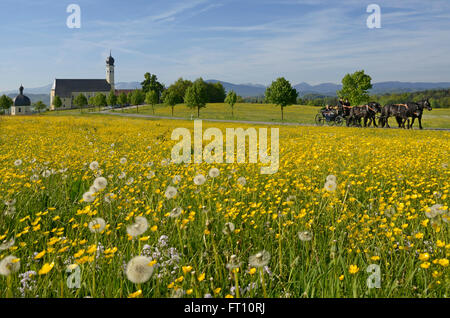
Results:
x,y
239,41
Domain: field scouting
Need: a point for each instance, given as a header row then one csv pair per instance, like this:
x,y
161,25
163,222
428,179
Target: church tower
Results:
x,y
110,71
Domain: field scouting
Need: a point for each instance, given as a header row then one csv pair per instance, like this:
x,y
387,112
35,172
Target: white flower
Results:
x,y
93,189
139,270
46,173
18,162
139,227
8,265
6,245
97,225
150,175
122,175
214,172
130,181
332,178
93,165
242,181
234,262
34,177
11,202
176,179
123,161
171,192
199,179
228,229
260,259
435,211
89,196
176,212
100,183
305,236
330,186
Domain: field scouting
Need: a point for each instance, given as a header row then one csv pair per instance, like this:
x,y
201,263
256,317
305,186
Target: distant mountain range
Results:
x,y
253,90
330,89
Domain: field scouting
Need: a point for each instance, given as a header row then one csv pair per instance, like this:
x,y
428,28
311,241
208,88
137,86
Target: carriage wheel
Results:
x,y
320,120
339,121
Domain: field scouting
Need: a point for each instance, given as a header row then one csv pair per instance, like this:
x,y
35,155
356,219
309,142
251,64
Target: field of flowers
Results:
x,y
92,207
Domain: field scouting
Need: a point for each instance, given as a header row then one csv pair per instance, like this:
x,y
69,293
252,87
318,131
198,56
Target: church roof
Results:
x,y
65,87
21,99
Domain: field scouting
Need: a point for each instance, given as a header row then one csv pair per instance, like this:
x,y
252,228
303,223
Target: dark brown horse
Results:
x,y
416,112
367,112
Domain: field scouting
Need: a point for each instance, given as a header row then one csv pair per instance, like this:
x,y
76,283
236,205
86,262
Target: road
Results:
x,y
267,123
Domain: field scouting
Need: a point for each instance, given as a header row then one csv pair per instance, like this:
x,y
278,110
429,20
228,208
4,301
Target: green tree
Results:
x,y
100,101
178,89
57,102
112,98
39,106
91,101
281,93
5,102
151,98
122,100
231,100
355,88
216,92
137,98
129,98
151,83
80,101
196,95
171,98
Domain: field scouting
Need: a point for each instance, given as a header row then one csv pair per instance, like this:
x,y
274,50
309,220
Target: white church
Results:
x,y
68,89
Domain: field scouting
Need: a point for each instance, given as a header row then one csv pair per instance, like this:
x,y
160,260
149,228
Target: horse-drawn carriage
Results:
x,y
331,116
373,113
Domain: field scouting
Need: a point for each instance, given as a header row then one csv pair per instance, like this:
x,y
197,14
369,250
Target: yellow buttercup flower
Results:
x,y
47,267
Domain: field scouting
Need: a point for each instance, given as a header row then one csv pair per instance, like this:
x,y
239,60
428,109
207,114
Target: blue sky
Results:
x,y
240,41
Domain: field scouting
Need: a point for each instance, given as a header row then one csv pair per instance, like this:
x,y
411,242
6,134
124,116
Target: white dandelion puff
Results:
x,y
6,245
97,225
233,263
176,179
332,178
123,161
176,212
242,181
260,259
214,172
228,228
100,183
9,265
18,162
199,179
46,173
171,192
94,165
89,196
305,236
139,270
330,186
139,227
